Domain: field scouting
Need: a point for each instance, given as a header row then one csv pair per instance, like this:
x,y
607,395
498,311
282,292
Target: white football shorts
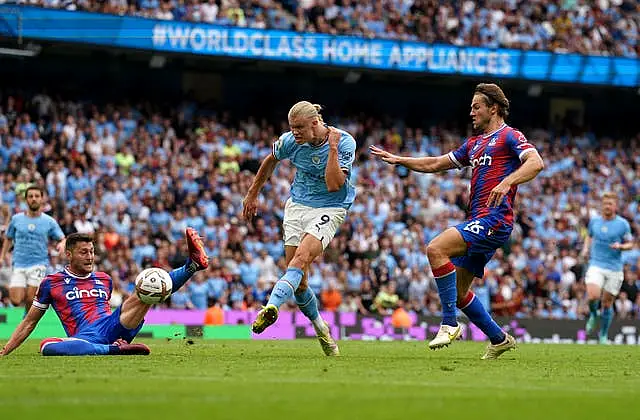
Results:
x,y
609,280
27,276
322,223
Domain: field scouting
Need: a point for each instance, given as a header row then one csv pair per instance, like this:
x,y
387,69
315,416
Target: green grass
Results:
x,y
372,380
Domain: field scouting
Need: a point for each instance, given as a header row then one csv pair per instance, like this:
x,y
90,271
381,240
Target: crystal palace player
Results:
x,y
80,298
501,158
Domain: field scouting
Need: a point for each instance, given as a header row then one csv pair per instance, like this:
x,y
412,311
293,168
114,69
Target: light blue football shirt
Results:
x,y
309,186
30,237
604,233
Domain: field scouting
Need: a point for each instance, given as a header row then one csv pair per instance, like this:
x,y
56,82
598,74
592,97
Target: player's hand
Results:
x,y
60,248
498,194
384,155
249,207
334,137
615,245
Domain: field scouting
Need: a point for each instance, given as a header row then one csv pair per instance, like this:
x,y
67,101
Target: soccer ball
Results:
x,y
153,285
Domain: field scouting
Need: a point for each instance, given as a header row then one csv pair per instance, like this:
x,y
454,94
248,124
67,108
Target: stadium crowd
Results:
x,y
136,179
602,27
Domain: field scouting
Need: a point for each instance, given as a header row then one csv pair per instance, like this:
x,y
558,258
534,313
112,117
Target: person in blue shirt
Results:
x,y
607,237
29,233
321,193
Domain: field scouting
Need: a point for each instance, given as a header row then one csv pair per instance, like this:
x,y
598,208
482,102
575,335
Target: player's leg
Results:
x,y
471,306
448,244
594,280
292,236
284,289
78,347
17,286
611,288
133,310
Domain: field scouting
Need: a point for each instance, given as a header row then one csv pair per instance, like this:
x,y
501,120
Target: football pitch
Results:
x,y
185,379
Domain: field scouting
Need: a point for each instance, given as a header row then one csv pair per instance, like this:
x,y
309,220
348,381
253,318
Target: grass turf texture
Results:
x,y
372,380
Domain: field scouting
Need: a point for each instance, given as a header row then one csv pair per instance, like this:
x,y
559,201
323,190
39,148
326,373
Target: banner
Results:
x,y
315,49
174,324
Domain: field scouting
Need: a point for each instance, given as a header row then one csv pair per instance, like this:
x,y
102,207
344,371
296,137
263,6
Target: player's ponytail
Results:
x,y
305,109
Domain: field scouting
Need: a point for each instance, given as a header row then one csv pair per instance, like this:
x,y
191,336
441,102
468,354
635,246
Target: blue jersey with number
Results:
x,y
31,237
309,186
604,233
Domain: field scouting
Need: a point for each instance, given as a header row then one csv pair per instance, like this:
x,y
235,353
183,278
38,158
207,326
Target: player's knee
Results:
x,y
16,301
302,259
434,252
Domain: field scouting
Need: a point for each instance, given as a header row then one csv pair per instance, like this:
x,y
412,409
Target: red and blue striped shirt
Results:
x,y
78,301
492,157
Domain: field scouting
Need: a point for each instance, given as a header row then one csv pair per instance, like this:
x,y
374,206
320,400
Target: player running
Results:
x,y
30,233
501,158
320,196
607,237
86,317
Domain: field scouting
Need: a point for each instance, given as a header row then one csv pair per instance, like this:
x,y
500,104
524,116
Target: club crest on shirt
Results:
x,y
31,227
315,159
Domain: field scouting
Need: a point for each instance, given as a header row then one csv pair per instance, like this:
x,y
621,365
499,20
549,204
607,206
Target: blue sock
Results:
x,y
179,276
605,321
446,282
78,348
308,304
473,309
593,307
286,287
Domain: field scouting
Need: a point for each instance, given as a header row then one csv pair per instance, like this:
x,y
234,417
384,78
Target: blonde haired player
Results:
x,y
608,236
321,194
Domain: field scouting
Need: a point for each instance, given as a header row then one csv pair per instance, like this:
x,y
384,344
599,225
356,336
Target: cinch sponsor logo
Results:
x,y
82,293
484,160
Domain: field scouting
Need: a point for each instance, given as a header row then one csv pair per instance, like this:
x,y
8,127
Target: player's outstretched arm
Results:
x,y
250,202
23,330
418,164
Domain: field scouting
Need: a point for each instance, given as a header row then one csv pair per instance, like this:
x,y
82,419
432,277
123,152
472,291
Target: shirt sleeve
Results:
x,y
627,236
55,231
282,148
460,156
590,228
11,229
346,153
518,144
42,299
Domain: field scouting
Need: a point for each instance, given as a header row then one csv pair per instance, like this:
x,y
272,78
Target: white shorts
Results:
x,y
29,276
609,280
322,223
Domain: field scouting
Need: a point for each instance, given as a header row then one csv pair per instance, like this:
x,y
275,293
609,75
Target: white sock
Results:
x,y
319,325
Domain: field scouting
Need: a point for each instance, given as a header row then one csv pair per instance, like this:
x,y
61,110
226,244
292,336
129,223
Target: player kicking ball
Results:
x,y
501,158
320,196
80,298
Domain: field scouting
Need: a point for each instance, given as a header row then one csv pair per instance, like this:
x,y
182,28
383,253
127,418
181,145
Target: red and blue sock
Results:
x,y
446,281
473,309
